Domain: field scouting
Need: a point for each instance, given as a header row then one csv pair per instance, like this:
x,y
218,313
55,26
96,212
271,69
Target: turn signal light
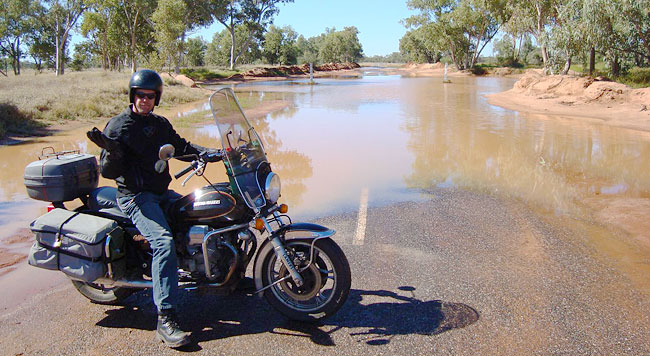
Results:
x,y
259,224
283,208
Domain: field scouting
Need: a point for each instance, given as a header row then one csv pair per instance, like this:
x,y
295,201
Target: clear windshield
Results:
x,y
242,147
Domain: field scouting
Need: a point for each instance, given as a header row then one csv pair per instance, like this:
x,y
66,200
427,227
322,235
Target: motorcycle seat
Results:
x,y
103,200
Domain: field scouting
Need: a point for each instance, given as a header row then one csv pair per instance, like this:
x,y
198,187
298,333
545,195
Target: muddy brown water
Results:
x,y
388,139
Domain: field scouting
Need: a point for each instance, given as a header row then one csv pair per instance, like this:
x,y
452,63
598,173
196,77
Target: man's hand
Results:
x,y
211,155
103,141
113,147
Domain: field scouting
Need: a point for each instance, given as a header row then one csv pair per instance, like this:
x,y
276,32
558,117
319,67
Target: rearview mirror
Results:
x,y
166,152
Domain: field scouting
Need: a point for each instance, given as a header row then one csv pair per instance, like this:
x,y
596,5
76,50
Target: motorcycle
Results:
x,y
298,268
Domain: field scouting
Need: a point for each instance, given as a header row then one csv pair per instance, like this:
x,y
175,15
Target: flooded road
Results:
x,y
469,228
385,139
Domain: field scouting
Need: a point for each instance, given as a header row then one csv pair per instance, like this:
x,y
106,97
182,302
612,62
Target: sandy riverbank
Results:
x,y
602,102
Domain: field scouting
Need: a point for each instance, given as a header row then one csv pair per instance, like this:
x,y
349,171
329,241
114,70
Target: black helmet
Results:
x,y
145,79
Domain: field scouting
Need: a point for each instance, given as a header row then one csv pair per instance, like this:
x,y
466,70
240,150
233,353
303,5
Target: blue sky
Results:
x,y
378,22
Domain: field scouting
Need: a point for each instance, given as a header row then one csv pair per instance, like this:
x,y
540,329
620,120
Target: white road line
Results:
x,y
361,220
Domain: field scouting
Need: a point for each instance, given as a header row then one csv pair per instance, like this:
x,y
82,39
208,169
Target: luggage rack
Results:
x,y
54,153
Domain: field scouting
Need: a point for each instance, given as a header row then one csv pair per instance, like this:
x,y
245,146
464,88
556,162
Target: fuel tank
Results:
x,y
215,206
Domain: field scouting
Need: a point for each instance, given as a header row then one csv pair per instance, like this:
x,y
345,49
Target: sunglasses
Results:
x,y
142,95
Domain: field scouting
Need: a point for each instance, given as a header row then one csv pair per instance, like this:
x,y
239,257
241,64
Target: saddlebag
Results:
x,y
61,176
84,247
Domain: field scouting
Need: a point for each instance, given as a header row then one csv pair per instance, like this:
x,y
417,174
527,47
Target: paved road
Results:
x,y
459,273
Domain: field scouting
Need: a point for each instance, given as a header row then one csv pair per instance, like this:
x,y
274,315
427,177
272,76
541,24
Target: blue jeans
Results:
x,y
146,212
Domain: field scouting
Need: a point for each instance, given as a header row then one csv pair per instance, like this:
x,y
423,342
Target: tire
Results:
x,y
326,282
100,295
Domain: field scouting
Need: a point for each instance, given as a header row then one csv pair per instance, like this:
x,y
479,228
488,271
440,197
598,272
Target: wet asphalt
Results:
x,y
458,273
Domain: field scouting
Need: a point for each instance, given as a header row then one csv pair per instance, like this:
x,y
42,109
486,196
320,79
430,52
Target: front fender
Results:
x,y
304,231
290,232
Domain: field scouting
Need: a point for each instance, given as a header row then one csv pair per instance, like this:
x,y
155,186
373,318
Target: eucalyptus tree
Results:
x,y
340,46
41,39
307,49
219,49
464,26
66,13
568,35
16,24
537,17
517,32
197,14
137,16
195,50
628,30
252,15
169,27
280,46
104,25
421,45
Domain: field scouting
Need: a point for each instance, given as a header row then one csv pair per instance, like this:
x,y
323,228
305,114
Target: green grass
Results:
x,y
32,101
205,74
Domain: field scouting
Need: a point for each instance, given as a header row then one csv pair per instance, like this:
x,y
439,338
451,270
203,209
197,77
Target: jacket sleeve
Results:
x,y
182,146
111,166
112,163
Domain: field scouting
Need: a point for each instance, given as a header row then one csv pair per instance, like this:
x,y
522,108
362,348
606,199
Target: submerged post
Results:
x,y
445,79
311,72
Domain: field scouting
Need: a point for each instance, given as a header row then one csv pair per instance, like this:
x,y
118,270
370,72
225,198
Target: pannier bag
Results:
x,y
84,247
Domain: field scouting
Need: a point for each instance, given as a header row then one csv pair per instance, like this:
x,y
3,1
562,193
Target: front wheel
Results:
x,y
100,295
326,280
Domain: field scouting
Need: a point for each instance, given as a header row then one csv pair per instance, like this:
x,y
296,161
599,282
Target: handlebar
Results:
x,y
206,157
186,170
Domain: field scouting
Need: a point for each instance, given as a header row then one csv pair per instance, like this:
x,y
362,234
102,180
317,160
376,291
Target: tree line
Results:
x,y
566,31
154,33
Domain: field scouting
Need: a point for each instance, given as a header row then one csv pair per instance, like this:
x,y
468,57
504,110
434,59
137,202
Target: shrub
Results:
x,y
478,70
13,121
637,77
202,74
510,62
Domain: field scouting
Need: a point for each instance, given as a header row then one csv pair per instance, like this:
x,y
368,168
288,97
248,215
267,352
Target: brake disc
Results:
x,y
312,283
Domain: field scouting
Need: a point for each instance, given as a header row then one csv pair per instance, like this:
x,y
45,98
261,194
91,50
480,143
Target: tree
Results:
x,y
465,26
104,28
16,23
536,16
169,26
280,45
41,40
66,13
196,50
137,14
252,15
308,49
421,46
341,46
197,14
219,49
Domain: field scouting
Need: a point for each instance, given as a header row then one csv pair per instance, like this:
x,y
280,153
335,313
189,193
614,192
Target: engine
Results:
x,y
223,251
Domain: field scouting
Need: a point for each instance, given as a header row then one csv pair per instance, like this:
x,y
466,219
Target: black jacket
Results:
x,y
140,138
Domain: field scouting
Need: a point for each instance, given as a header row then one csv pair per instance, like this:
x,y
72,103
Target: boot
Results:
x,y
168,330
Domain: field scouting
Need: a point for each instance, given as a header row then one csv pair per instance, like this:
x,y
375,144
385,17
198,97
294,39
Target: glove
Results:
x,y
211,155
103,141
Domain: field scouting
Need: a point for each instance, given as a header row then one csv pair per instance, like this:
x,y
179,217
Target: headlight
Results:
x,y
272,188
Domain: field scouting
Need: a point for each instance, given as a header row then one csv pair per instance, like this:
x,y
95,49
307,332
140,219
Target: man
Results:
x,y
130,143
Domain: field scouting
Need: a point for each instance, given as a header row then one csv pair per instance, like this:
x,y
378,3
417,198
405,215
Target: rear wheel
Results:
x,y
99,294
326,281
